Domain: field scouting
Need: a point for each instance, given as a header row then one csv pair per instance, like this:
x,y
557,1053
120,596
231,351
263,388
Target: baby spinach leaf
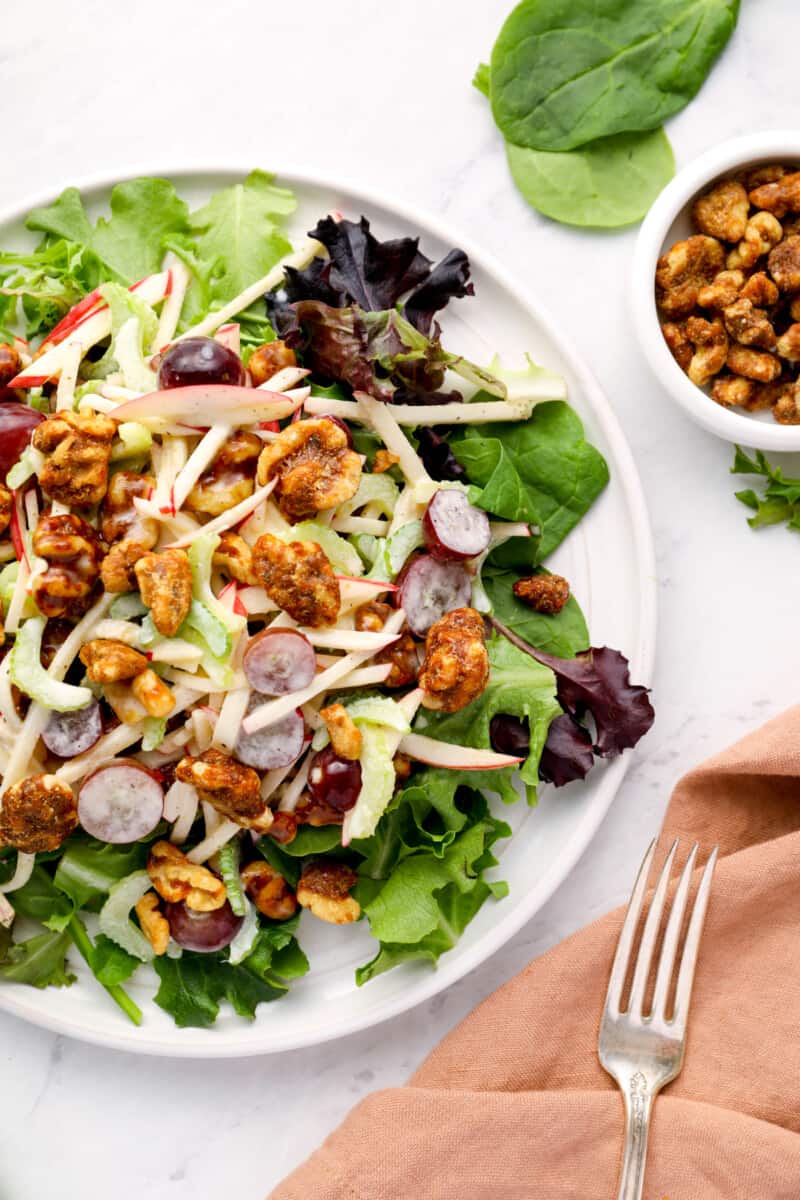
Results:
x,y
564,74
606,183
542,470
41,900
40,961
563,633
88,868
110,963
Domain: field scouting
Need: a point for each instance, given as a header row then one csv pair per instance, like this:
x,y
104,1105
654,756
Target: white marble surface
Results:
x,y
381,95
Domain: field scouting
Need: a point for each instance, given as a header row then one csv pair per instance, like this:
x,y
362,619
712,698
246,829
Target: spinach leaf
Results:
x,y
111,964
781,497
564,74
41,900
542,470
40,961
563,633
87,869
606,183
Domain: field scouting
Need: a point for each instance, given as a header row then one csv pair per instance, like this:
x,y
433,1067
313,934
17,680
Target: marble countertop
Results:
x,y
381,95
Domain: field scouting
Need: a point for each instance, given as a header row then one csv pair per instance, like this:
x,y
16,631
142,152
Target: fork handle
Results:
x,y
638,1097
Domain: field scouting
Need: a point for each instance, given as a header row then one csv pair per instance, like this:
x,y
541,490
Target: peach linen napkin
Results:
x,y
514,1104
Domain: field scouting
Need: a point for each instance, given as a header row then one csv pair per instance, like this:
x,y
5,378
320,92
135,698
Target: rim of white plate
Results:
x,y
135,1040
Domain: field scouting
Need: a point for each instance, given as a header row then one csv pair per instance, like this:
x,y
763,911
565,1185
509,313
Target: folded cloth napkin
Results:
x,y
514,1103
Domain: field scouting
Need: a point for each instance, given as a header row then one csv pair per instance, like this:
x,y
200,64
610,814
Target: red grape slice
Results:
x,y
453,528
199,360
429,589
334,781
278,661
276,745
17,421
203,932
120,803
69,733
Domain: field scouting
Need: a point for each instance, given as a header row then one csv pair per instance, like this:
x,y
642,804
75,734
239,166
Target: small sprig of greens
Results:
x,y
780,501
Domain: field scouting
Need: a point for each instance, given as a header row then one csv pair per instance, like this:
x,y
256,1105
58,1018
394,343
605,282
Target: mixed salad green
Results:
x,y
263,646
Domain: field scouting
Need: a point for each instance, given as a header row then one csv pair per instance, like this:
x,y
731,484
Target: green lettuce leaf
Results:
x,y
542,471
40,961
41,900
110,963
87,869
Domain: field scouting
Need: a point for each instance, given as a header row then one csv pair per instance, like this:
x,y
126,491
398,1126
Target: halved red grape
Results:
x,y
333,780
199,360
430,588
203,932
17,422
69,733
453,528
120,803
276,745
278,661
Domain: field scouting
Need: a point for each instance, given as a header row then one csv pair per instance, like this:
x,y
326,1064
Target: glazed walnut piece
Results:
x,y
786,409
679,345
324,889
155,925
78,448
233,789
749,325
314,465
153,694
788,346
753,364
784,264
543,593
760,290
234,558
344,733
71,549
762,232
456,666
780,196
711,347
5,507
299,578
37,814
269,891
109,661
177,879
684,269
722,212
165,582
266,361
722,291
732,391
230,478
128,533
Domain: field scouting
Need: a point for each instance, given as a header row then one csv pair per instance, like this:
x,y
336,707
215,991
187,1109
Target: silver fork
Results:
x,y
643,1052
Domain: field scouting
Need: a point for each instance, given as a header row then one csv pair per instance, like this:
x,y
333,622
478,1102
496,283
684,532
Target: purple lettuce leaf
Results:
x,y
567,754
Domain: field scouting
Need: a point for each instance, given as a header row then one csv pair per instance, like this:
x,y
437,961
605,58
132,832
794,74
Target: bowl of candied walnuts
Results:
x,y
716,297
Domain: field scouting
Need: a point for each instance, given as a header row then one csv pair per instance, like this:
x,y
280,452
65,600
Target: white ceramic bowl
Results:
x,y
667,222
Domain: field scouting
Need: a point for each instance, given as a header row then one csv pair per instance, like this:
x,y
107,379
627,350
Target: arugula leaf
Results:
x,y
542,470
563,75
604,184
781,498
40,961
88,869
41,900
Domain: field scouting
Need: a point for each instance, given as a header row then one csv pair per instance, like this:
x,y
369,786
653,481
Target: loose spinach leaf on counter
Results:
x,y
781,498
542,470
607,183
563,74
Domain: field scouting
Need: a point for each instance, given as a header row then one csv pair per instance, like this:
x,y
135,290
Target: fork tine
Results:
x,y
670,947
620,968
692,944
649,935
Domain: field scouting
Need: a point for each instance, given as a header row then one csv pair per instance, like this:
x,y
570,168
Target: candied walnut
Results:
x,y
344,733
404,655
456,666
786,409
762,233
711,346
283,828
234,558
402,767
749,325
794,308
233,789
299,578
71,549
108,661
684,269
153,694
37,814
120,518
117,571
760,290
155,925
722,212
165,582
230,478
761,175
5,508
269,891
679,345
324,889
731,391
789,343
372,616
78,448
766,395
316,813
314,466
780,196
784,264
544,593
177,879
384,461
10,363
753,364
722,291
266,361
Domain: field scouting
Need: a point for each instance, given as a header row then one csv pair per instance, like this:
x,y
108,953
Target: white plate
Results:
x,y
610,563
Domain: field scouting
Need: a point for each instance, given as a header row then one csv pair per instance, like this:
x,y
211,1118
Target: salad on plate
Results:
x,y
277,632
